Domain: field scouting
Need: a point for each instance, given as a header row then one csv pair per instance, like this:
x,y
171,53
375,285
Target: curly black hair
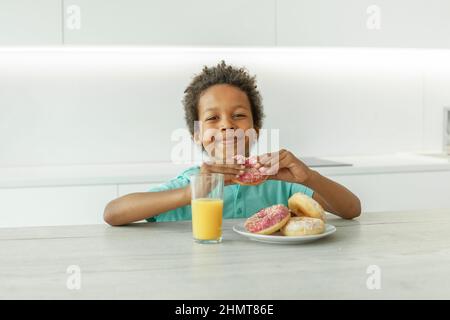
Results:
x,y
222,74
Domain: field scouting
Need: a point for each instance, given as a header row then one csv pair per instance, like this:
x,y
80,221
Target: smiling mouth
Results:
x,y
231,141
227,141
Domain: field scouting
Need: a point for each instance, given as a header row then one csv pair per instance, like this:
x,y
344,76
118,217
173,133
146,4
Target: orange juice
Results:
x,y
207,218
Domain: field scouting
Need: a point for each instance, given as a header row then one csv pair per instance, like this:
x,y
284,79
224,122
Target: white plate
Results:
x,y
280,239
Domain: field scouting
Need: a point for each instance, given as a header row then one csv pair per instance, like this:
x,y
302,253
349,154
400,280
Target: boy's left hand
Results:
x,y
283,165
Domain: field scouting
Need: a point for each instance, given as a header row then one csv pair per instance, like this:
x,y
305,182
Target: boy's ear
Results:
x,y
257,132
196,138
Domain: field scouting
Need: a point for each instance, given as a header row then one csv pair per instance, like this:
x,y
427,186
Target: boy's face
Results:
x,y
223,109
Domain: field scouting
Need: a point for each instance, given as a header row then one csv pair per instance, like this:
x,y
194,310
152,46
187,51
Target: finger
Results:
x,y
277,165
273,164
276,158
219,165
224,163
229,179
284,161
228,166
271,158
263,158
239,159
269,171
226,169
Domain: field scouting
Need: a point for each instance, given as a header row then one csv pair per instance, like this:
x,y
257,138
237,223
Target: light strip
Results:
x,y
175,49
339,58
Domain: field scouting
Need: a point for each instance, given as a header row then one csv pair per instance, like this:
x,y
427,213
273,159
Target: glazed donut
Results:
x,y
303,226
251,175
268,220
303,206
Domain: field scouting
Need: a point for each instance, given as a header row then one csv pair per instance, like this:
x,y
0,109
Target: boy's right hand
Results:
x,y
230,171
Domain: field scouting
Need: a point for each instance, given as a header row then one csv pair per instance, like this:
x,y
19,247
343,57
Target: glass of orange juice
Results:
x,y
207,207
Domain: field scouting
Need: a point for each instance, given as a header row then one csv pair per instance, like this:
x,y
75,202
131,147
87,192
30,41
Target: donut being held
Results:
x,y
251,175
303,206
303,226
268,220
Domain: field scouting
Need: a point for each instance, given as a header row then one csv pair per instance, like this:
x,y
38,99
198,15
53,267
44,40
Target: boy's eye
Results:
x,y
212,118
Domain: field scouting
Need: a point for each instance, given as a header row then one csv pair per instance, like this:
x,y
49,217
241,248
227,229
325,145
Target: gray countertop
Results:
x,y
159,261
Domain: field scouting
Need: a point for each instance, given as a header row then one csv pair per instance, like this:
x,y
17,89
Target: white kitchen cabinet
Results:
x,y
175,22
399,191
364,23
69,205
379,192
30,22
383,186
346,23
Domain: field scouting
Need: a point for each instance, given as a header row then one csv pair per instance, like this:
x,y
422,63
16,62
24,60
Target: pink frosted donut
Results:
x,y
251,175
268,220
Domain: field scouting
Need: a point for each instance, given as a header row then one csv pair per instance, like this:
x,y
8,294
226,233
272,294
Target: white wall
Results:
x,y
29,22
83,106
173,22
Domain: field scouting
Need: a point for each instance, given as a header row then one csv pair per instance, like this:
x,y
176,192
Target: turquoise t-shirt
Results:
x,y
239,201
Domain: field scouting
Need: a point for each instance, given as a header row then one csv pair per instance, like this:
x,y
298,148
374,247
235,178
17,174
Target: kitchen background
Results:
x,y
90,93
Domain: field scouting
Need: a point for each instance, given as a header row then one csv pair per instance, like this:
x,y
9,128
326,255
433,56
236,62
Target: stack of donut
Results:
x,y
305,216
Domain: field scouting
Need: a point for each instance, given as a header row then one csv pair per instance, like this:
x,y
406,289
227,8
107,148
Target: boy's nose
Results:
x,y
226,125
224,128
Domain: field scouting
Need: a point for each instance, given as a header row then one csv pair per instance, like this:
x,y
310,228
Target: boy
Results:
x,y
225,99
